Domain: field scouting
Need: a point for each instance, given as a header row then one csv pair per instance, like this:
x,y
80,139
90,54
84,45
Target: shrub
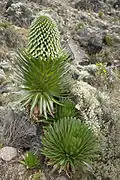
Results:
x,y
108,40
101,14
80,25
5,24
69,143
1,145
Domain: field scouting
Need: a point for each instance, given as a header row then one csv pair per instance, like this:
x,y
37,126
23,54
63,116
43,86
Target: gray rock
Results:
x,y
95,5
6,65
43,177
95,45
61,178
91,39
84,75
13,171
19,14
18,131
80,73
8,37
8,4
117,4
2,6
91,68
2,76
8,153
78,52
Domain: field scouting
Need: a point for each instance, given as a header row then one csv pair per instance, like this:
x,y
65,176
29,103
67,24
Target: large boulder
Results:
x,y
17,130
90,38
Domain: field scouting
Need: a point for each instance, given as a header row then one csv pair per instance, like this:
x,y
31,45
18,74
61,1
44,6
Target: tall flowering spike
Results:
x,y
44,38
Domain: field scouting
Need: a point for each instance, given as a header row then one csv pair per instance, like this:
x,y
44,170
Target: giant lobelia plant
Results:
x,y
69,143
42,67
42,71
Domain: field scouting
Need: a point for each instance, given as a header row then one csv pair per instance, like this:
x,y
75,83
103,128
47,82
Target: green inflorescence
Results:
x,y
44,38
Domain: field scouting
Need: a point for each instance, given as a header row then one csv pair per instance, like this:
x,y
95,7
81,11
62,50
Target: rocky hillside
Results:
x,y
90,30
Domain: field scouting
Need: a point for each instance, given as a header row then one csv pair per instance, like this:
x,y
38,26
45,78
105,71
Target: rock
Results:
x,y
95,5
6,65
8,153
8,36
2,6
91,39
68,49
13,171
91,68
19,14
84,73
43,177
116,4
95,45
2,76
3,89
78,52
62,178
8,4
18,131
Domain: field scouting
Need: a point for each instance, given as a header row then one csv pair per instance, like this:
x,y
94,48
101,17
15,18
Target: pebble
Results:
x,y
8,153
61,178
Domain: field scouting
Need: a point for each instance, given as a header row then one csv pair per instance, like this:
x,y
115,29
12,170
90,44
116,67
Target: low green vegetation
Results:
x,y
5,24
116,19
80,25
1,146
31,161
101,68
108,40
103,79
101,14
